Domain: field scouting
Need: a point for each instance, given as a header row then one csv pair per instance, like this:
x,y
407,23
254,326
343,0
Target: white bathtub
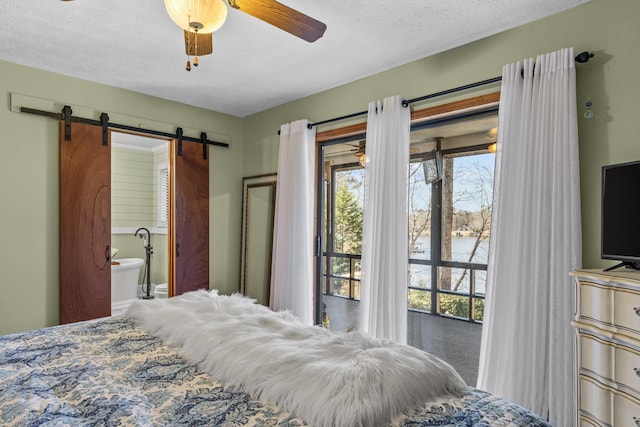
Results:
x,y
124,283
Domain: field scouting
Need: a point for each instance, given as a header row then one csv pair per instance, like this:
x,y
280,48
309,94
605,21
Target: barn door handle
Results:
x,y
107,253
177,249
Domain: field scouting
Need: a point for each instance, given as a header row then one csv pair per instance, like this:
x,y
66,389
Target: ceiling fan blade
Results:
x,y
196,44
283,17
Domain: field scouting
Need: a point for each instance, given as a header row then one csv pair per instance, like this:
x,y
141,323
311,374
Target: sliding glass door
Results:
x,y
450,193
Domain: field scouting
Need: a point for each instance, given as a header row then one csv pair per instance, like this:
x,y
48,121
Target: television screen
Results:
x,y
621,213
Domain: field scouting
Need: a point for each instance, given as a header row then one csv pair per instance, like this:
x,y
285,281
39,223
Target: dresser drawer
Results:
x,y
626,411
627,312
627,368
586,422
612,308
595,402
601,405
596,356
595,302
615,362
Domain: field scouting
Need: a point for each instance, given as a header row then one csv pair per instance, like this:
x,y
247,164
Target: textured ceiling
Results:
x,y
133,44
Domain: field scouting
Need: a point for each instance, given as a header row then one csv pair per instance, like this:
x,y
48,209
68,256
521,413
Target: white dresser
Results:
x,y
607,325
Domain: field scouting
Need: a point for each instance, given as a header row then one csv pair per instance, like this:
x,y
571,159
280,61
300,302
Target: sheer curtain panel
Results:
x,y
292,257
385,256
527,348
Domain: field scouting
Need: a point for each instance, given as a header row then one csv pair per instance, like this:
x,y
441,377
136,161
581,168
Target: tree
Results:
x,y
348,217
347,227
473,187
480,223
419,204
447,219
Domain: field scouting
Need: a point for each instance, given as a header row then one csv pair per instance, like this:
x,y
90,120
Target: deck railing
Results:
x,y
341,277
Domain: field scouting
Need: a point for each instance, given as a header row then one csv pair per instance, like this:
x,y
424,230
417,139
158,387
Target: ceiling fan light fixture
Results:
x,y
361,154
363,160
202,16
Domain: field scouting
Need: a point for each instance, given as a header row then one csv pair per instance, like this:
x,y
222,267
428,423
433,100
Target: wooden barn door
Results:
x,y
85,224
190,217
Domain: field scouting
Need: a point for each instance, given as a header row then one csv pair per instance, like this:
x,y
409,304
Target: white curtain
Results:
x,y
292,256
527,349
385,256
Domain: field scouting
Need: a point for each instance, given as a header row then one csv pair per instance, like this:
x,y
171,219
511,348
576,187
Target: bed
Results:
x,y
204,359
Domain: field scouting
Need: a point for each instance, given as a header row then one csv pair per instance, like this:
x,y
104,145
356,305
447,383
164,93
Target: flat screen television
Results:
x,y
621,214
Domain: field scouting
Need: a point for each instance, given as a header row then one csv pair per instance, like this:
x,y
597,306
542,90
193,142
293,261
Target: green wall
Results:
x,y
133,187
29,173
609,28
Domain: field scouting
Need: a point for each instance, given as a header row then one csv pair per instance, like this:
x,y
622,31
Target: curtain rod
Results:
x,y
581,57
405,103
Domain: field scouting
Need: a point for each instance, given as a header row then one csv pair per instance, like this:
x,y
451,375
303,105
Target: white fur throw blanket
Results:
x,y
329,379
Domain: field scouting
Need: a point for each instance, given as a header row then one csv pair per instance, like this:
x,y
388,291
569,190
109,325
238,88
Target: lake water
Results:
x,y
461,247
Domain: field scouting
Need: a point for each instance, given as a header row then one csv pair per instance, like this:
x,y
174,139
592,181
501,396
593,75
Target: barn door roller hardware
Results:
x,y
67,116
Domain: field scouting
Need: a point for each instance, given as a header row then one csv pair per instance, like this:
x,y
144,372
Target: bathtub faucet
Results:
x,y
148,251
142,235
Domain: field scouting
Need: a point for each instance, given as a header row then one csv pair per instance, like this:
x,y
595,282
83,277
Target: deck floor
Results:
x,y
455,341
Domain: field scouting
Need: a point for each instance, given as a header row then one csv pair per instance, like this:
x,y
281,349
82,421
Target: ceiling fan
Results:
x,y
360,151
200,18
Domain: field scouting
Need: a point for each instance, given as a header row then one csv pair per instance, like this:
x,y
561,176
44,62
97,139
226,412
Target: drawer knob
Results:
x,y
637,310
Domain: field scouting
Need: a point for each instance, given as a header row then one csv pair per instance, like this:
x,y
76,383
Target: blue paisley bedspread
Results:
x,y
110,372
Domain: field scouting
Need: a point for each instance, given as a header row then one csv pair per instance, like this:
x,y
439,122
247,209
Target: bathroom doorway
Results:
x,y
86,233
140,211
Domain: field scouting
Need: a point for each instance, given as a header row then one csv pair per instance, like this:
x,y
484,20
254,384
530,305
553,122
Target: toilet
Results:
x,y
160,290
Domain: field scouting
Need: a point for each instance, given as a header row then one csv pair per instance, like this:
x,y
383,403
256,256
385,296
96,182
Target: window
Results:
x,y
458,232
344,238
450,193
163,196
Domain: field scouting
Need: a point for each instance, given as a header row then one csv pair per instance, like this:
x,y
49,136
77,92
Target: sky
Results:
x,y
467,183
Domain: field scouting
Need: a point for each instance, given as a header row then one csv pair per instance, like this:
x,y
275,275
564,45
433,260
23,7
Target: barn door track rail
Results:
x,y
67,116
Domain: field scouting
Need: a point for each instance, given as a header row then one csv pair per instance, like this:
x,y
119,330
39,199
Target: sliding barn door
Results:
x,y
85,224
191,219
